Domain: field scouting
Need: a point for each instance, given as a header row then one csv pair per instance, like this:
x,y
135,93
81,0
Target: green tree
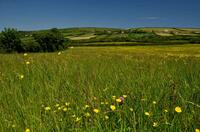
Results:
x,y
50,41
10,40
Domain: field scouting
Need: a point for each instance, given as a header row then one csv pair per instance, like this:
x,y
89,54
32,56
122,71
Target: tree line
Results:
x,y
12,41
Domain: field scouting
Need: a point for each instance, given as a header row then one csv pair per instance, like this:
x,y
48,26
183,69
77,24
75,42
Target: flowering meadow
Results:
x,y
137,89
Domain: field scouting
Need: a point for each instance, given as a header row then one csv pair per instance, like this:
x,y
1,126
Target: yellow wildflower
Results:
x,y
118,100
96,110
125,96
155,124
106,117
27,130
59,108
67,103
112,107
154,102
178,109
78,119
113,97
131,109
25,54
59,53
27,62
86,106
87,114
47,108
166,110
21,77
106,102
13,125
57,105
102,103
73,116
147,113
197,130
65,109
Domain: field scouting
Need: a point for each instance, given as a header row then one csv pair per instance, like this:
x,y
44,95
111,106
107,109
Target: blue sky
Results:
x,y
43,14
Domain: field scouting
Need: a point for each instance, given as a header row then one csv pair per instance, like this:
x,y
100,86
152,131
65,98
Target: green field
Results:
x,y
74,90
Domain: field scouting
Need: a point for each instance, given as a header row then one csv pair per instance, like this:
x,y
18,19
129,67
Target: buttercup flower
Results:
x,y
147,113
118,100
112,107
96,110
27,130
178,109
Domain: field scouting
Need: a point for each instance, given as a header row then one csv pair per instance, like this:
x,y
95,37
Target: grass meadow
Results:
x,y
142,88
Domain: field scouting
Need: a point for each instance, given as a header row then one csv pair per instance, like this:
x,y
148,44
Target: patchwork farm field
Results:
x,y
141,88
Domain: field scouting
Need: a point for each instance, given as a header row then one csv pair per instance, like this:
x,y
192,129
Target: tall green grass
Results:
x,y
155,80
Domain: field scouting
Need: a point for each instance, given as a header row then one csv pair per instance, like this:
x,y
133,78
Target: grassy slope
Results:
x,y
168,75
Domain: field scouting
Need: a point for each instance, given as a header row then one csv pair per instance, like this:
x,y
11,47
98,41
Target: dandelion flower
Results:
x,y
47,108
59,108
112,107
154,102
25,54
197,130
147,113
96,110
155,124
106,117
27,130
178,109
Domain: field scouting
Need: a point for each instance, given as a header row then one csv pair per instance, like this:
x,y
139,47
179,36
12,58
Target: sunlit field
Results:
x,y
141,88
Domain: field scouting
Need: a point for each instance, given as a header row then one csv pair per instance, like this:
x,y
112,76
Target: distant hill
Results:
x,y
94,35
